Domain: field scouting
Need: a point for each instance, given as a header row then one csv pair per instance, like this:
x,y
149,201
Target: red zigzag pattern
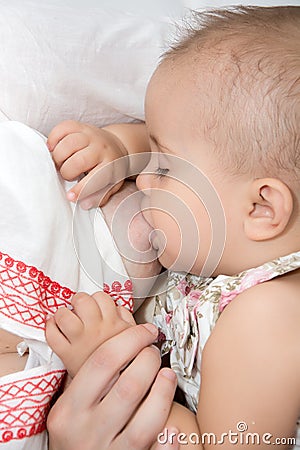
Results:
x,y
27,295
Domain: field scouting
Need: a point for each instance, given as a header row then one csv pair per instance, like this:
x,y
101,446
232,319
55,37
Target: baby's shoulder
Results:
x,y
269,306
279,294
255,343
262,323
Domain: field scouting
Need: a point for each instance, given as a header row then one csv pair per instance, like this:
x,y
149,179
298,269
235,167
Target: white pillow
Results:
x,y
88,60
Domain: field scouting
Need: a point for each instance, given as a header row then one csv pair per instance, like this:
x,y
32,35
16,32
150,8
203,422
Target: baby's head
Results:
x,y
244,65
227,100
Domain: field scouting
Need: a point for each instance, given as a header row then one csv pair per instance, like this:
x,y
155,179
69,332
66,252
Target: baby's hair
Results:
x,y
247,62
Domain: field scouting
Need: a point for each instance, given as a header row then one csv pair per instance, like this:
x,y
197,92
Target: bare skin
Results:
x,y
10,361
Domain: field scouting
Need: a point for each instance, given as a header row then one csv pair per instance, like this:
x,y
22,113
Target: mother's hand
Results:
x,y
108,408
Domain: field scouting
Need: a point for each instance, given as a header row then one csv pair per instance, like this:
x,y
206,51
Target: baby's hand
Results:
x,y
81,149
75,335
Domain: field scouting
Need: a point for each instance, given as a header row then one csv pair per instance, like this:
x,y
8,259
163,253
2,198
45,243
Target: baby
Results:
x,y
222,188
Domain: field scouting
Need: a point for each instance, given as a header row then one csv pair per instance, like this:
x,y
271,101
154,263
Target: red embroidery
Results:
x,y
122,296
27,295
25,405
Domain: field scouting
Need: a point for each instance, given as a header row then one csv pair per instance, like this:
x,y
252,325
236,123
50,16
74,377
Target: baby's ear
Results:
x,y
270,209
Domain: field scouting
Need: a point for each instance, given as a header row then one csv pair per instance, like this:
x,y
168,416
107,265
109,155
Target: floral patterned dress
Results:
x,y
190,308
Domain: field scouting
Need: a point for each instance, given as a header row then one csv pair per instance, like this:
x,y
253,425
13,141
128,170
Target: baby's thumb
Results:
x,y
93,188
99,198
91,201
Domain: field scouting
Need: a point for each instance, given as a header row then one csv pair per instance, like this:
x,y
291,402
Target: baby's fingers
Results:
x,y
67,147
87,310
55,338
99,198
79,162
68,323
62,130
96,187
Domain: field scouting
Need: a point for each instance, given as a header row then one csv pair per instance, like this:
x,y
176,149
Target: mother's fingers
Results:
x,y
167,440
90,383
149,420
128,392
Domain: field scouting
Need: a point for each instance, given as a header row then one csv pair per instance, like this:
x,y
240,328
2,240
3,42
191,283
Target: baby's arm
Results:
x,y
250,373
133,136
103,157
181,430
74,335
251,369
